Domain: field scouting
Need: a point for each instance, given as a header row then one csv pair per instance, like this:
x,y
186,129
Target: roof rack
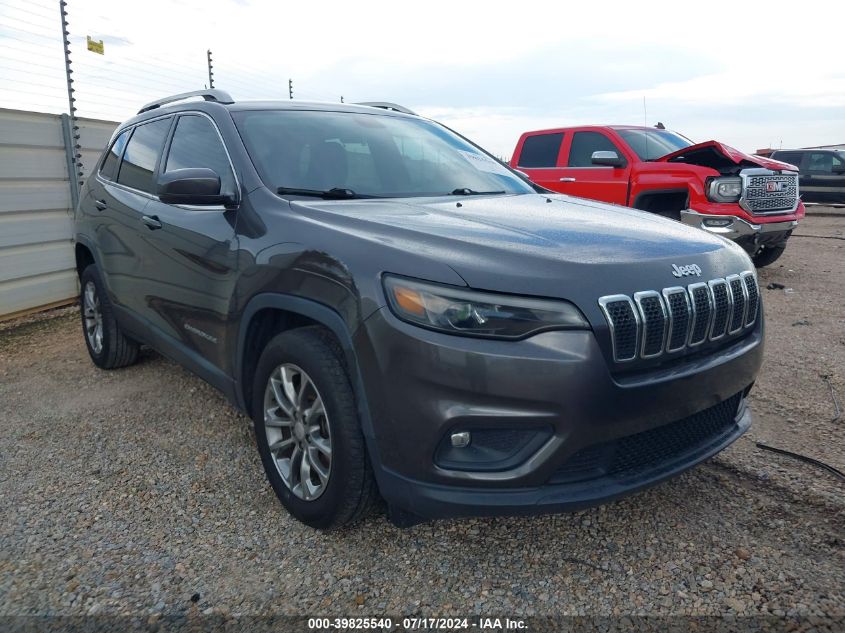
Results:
x,y
386,105
219,96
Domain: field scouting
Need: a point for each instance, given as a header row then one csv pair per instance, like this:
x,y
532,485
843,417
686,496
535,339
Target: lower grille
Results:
x,y
637,454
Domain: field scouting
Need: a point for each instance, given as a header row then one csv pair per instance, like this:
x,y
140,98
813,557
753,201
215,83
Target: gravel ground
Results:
x,y
140,492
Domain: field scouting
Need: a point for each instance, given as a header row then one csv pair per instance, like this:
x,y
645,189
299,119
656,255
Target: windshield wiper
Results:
x,y
335,193
464,191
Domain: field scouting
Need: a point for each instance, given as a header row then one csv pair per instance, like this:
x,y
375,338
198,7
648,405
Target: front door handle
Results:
x,y
100,204
567,180
151,221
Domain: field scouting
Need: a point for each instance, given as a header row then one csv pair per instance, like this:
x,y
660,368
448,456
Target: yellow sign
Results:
x,y
95,46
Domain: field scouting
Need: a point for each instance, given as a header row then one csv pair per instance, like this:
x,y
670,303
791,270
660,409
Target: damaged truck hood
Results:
x,y
722,158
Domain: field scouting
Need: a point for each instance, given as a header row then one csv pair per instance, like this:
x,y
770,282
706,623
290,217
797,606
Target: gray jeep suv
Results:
x,y
402,315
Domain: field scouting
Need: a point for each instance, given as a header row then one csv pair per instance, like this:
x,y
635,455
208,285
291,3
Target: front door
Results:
x,y
582,178
823,177
193,250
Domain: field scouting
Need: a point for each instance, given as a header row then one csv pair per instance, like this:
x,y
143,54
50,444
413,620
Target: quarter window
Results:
x,y
196,144
540,150
583,146
109,167
141,155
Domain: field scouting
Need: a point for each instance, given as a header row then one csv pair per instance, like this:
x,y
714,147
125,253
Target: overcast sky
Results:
x,y
749,74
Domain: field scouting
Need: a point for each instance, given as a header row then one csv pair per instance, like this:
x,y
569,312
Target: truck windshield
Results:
x,y
652,144
372,155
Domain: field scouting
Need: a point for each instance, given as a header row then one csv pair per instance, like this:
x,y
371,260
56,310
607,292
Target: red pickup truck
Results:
x,y
750,199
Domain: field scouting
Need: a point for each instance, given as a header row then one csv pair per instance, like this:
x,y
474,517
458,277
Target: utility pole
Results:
x,y
210,69
290,88
70,128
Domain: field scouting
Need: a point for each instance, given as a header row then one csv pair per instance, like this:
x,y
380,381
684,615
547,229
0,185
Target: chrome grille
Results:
x,y
757,198
665,322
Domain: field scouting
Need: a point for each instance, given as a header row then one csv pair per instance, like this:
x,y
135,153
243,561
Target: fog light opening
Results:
x,y
718,222
461,439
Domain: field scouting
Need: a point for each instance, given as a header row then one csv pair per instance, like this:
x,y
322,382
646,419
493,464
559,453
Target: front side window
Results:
x,y
652,144
371,155
109,168
196,144
820,162
540,150
141,155
583,146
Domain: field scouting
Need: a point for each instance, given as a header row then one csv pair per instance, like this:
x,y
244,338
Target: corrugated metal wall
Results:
x,y
36,254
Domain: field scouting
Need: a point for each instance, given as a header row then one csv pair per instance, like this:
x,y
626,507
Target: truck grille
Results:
x,y
770,193
656,323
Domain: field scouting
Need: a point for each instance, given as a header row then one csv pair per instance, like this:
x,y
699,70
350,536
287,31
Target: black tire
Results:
x,y
768,255
115,349
350,491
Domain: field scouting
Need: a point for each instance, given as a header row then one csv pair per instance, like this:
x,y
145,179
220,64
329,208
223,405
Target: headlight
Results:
x,y
725,189
473,313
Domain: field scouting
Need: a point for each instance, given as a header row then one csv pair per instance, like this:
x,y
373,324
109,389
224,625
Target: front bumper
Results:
x,y
734,227
422,386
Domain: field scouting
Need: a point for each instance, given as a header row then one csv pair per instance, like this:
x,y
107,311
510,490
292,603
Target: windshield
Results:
x,y
652,144
367,155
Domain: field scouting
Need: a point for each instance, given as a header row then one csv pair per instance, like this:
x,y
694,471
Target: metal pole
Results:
x,y
210,70
72,145
67,136
290,88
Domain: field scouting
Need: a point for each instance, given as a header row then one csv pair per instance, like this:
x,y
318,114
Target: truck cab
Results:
x,y
750,199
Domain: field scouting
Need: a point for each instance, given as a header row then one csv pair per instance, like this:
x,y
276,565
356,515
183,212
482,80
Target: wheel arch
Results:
x,y
268,314
666,202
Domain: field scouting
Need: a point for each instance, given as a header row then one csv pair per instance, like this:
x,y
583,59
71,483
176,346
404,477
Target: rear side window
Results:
x,y
109,168
540,150
583,146
196,144
141,155
793,158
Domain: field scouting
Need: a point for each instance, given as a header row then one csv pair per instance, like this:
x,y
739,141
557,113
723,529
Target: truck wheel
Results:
x,y
768,255
307,429
107,345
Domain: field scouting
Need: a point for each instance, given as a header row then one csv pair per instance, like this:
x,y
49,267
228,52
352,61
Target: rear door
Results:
x,y
122,194
539,158
580,177
823,177
192,250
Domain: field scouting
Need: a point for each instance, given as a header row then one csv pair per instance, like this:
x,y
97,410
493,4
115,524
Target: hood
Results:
x,y
528,244
722,157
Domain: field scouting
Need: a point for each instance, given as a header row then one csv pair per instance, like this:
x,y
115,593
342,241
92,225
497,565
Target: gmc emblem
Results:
x,y
774,186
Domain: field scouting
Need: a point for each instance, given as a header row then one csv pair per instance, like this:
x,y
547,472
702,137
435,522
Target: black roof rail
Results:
x,y
386,105
219,96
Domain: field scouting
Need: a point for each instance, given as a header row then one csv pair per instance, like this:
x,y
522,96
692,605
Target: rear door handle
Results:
x,y
567,180
100,204
151,221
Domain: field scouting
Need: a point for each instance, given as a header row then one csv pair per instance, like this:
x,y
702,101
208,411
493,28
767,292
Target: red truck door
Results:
x,y
538,155
580,177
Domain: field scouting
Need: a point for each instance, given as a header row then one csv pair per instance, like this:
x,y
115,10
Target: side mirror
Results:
x,y
607,159
197,186
839,169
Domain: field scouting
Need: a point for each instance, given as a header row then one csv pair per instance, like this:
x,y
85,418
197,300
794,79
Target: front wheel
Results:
x,y
768,255
307,429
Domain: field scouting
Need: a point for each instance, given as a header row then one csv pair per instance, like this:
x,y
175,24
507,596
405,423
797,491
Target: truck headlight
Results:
x,y
473,313
724,189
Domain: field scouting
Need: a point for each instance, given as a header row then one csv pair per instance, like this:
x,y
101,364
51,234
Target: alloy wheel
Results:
x,y
93,317
298,431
